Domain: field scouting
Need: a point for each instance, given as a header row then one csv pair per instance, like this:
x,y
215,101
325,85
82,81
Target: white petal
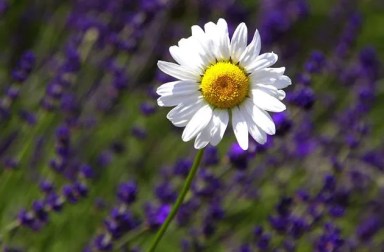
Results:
x,y
281,94
264,121
210,28
203,138
224,44
216,36
252,50
197,31
190,59
181,120
272,83
176,54
275,70
269,89
182,114
258,134
240,128
266,101
282,82
267,75
174,100
192,52
260,117
177,71
262,61
206,45
220,120
214,131
178,88
197,123
184,107
211,34
239,42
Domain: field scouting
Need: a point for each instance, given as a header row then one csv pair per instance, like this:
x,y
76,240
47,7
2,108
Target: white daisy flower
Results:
x,y
218,80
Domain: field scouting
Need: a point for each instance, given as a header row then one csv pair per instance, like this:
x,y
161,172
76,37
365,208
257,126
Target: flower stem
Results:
x,y
6,232
126,240
179,200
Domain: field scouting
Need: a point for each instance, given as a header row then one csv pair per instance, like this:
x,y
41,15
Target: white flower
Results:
x,y
219,80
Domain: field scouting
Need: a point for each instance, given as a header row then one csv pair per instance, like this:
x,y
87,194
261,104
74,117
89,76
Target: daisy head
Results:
x,y
218,80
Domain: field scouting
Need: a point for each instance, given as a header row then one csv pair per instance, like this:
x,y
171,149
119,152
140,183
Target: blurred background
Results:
x,y
88,162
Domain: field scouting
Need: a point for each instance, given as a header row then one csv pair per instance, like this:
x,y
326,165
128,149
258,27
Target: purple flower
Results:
x,y
368,228
54,202
139,132
374,158
207,185
86,171
39,211
215,212
4,6
303,98
245,248
303,195
46,186
26,218
148,108
120,222
336,211
182,167
28,117
127,192
13,92
303,79
210,156
315,62
24,66
156,215
284,205
278,223
10,163
209,228
166,193
330,240
299,227
263,242
282,122
237,156
63,134
186,211
103,242
73,193
258,231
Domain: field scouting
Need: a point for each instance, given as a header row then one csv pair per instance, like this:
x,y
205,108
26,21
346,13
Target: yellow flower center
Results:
x,y
224,85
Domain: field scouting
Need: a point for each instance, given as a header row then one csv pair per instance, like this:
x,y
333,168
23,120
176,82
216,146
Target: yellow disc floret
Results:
x,y
224,85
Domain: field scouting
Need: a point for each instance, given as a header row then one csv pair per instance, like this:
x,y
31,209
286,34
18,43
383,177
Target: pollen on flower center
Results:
x,y
224,85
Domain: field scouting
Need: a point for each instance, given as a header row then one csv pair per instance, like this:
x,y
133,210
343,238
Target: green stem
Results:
x,y
179,200
5,233
126,240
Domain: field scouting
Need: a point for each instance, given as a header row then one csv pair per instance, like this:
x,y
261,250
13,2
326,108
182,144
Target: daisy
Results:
x,y
219,80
